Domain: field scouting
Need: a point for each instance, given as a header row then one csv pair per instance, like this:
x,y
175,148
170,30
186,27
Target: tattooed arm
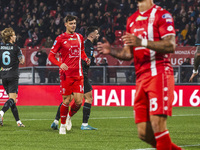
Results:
x,y
166,45
123,54
196,63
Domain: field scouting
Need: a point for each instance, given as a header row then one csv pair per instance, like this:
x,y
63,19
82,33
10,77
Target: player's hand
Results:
x,y
64,67
88,61
104,48
192,76
131,40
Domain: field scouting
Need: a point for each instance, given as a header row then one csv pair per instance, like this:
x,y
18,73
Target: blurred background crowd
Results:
x,y
39,22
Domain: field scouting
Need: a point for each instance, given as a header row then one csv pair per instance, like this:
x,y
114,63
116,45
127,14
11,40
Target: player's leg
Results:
x,y
87,105
146,133
63,113
77,89
55,124
161,106
141,113
11,87
86,111
15,110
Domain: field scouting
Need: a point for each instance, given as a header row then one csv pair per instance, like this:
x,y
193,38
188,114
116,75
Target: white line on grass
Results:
x,y
186,115
154,148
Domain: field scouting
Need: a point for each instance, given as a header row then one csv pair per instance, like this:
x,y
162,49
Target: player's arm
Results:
x,y
55,48
124,54
21,59
20,56
197,58
165,45
196,63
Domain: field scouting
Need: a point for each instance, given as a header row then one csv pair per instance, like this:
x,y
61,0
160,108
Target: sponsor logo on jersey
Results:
x,y
140,29
166,16
5,69
169,20
72,39
141,18
170,28
55,42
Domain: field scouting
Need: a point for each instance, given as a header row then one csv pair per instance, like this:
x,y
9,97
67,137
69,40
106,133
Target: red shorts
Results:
x,y
71,85
154,96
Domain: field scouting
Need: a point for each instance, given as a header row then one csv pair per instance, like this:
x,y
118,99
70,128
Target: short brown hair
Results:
x,y
70,18
6,34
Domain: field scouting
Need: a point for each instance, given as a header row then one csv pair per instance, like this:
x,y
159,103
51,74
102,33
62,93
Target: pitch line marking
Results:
x,y
185,115
154,148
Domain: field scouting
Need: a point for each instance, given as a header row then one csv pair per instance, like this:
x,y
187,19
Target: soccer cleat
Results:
x,y
20,125
88,127
68,123
62,130
1,120
54,126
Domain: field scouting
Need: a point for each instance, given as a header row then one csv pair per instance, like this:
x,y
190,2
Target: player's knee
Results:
x,y
142,134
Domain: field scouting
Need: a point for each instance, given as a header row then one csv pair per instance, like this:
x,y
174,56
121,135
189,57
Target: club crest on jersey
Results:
x,y
141,18
55,42
72,39
166,16
170,28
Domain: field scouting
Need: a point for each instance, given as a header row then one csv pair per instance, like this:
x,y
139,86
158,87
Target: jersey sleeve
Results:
x,y
19,52
88,50
83,55
55,48
165,23
128,25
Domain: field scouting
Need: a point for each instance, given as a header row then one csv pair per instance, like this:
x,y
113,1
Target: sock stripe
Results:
x,y
86,107
65,105
162,134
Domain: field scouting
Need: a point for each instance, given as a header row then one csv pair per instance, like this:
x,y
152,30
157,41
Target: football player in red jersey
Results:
x,y
149,39
71,48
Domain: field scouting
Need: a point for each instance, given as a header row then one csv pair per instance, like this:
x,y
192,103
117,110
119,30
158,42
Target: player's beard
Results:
x,y
95,41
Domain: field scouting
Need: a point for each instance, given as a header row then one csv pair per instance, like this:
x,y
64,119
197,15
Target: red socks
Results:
x,y
63,112
163,140
175,147
74,109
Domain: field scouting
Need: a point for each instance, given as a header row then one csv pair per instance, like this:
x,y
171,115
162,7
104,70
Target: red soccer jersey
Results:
x,y
71,49
154,24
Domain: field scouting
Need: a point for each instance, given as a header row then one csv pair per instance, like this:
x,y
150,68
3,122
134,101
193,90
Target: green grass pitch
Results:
x,y
116,130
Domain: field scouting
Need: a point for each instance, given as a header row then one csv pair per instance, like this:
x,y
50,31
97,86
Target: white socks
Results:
x,y
56,122
84,124
1,113
19,122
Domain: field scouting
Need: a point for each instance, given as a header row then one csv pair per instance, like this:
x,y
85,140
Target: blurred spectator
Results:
x,y
110,36
42,60
36,38
48,15
191,35
130,74
186,72
48,43
184,34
